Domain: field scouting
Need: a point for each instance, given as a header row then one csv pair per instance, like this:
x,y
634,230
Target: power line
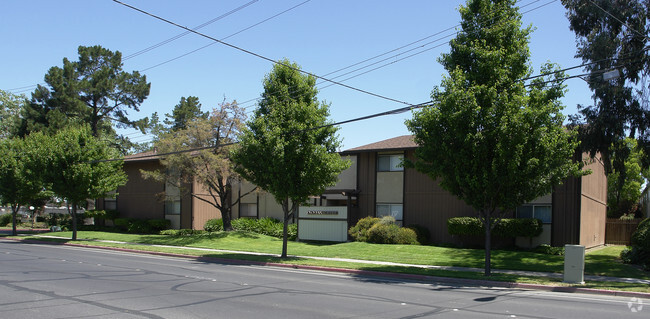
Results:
x,y
617,19
229,36
396,55
258,55
362,118
178,36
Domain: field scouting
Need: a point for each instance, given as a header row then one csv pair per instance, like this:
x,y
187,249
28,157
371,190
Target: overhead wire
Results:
x,y
178,36
224,38
396,55
260,56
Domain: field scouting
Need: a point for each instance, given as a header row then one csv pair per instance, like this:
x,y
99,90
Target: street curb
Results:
x,y
369,273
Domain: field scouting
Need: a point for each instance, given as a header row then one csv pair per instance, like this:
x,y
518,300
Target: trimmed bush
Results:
x,y
359,232
407,236
213,225
469,226
507,227
139,226
423,234
265,226
549,250
381,233
158,225
5,219
122,224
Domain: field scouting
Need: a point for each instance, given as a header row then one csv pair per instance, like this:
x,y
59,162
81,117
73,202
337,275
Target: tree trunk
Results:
x,y
488,245
226,212
73,214
285,237
14,215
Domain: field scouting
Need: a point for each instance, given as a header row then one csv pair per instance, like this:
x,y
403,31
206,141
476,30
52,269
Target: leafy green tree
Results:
x,y
81,166
623,194
488,140
213,138
10,105
185,111
21,174
93,90
612,39
287,149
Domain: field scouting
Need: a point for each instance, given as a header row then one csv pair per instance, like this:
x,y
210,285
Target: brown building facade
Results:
x,y
376,185
149,199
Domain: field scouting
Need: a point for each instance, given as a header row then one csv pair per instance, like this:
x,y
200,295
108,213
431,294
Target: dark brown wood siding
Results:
x,y
139,198
366,175
565,215
427,204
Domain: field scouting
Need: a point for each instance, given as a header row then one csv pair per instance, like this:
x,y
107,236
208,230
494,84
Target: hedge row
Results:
x,y
141,226
507,227
265,226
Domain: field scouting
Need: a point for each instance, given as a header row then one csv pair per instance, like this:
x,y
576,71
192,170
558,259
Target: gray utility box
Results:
x,y
574,264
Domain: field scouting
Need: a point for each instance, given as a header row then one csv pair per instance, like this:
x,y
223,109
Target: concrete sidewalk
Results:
x,y
386,263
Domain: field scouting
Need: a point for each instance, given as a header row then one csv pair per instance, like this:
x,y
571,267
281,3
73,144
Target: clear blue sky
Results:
x,y
320,35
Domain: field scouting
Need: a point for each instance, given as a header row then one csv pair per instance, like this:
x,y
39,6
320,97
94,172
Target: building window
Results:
x,y
110,201
172,206
247,210
172,199
390,163
394,210
543,212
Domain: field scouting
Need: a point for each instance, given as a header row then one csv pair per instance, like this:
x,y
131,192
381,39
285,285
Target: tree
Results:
x,y
487,140
623,194
21,176
93,90
288,149
81,166
10,105
612,37
185,111
213,137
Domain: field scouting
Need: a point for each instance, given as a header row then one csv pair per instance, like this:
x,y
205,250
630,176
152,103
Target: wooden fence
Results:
x,y
619,232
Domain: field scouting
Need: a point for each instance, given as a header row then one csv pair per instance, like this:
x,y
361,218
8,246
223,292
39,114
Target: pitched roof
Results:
x,y
144,156
396,143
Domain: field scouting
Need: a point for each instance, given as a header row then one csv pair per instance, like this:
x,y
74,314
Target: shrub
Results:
x,y
422,233
213,225
111,214
5,219
158,225
639,253
406,236
381,233
181,232
507,227
139,226
469,226
122,224
265,226
549,250
359,232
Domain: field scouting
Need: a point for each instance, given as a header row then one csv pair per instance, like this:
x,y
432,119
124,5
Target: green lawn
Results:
x,y
603,261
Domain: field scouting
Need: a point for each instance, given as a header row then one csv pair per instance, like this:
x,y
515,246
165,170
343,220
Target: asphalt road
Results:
x,y
48,281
